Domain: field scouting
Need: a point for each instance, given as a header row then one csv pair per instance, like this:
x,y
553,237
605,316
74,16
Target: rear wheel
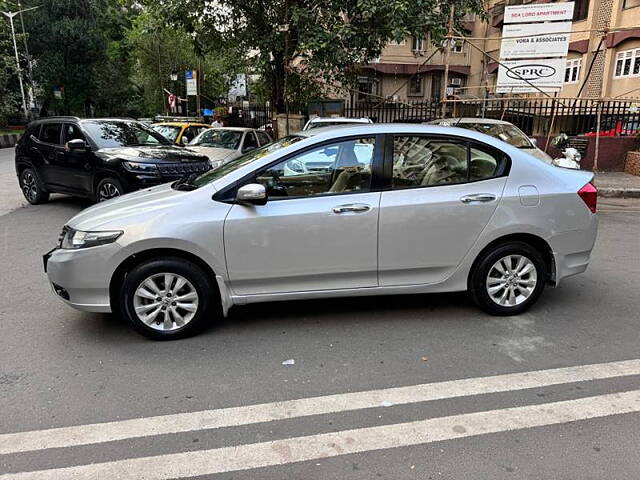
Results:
x,y
508,279
107,189
31,189
167,299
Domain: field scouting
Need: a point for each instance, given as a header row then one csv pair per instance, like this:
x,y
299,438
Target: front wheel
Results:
x,y
508,279
107,189
31,189
167,299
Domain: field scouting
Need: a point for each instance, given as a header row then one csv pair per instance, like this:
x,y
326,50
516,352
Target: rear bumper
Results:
x,y
572,250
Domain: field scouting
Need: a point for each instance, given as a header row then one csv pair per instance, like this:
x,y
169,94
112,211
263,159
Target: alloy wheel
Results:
x,y
29,186
107,191
165,301
511,280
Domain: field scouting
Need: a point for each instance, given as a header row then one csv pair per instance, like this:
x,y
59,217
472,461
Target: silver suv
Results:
x,y
359,210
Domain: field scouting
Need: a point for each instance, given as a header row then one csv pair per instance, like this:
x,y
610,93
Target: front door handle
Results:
x,y
352,207
478,198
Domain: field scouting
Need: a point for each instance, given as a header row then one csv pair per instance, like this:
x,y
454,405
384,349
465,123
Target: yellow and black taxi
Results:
x,y
180,133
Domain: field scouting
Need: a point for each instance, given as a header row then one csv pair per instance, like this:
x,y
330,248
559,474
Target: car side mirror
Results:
x,y
534,141
76,144
252,194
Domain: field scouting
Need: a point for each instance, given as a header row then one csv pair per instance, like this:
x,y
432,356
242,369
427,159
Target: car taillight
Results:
x,y
589,195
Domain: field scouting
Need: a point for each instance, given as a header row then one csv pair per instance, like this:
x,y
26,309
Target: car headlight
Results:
x,y
74,239
140,167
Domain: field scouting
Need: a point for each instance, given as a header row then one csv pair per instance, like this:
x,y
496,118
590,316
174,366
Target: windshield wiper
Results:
x,y
185,184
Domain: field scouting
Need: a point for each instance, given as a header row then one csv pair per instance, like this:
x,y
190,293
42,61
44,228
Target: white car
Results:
x,y
222,145
319,122
361,210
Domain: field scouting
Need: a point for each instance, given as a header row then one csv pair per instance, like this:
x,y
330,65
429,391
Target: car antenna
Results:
x,y
459,120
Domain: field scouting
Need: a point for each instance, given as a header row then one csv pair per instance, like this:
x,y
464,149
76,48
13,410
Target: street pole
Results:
x,y
447,54
29,66
10,16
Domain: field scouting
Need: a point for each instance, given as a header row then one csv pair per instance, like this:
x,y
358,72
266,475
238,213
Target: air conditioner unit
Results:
x,y
457,81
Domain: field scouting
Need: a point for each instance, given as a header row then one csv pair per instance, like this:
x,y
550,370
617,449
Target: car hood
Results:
x,y
215,154
162,153
107,214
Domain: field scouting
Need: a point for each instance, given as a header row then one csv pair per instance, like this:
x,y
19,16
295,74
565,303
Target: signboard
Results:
x,y
547,74
556,44
191,77
542,12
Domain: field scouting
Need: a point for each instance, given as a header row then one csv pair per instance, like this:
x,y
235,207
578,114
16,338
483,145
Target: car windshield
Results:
x,y
505,132
245,159
121,133
218,138
170,132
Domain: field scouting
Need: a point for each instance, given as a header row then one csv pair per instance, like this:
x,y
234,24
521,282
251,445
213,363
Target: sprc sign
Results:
x,y
522,75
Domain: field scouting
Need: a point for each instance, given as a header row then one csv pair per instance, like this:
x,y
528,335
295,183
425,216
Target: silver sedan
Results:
x,y
359,210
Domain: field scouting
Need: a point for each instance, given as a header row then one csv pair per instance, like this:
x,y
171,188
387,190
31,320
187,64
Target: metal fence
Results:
x,y
535,116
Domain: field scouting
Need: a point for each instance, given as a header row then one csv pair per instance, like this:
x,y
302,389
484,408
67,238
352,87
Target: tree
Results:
x,y
9,89
326,39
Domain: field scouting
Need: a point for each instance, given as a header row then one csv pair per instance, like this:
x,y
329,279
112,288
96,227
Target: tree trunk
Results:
x,y
277,82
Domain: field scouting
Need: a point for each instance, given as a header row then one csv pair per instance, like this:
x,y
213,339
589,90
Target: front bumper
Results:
x,y
81,277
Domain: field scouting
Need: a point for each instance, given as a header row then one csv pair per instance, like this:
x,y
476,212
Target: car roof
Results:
x,y
183,124
340,119
235,129
455,120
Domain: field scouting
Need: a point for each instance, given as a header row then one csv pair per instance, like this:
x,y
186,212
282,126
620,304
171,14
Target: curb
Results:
x,y
618,192
9,140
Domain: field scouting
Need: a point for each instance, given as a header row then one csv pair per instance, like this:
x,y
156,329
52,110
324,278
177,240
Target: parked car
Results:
x,y
318,122
222,145
180,133
395,209
505,131
615,127
97,158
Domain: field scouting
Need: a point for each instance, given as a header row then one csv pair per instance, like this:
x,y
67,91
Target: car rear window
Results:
x,y
50,133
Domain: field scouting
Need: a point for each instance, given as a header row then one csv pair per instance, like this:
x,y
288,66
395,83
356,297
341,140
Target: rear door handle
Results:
x,y
352,207
478,198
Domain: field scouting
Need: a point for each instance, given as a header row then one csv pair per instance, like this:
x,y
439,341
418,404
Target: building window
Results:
x,y
580,10
630,3
367,88
417,44
572,70
628,63
415,85
397,43
457,46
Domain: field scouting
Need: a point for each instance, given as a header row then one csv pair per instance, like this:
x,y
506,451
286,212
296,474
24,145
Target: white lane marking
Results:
x,y
267,412
299,449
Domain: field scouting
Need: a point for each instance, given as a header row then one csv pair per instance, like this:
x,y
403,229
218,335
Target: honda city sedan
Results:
x,y
351,211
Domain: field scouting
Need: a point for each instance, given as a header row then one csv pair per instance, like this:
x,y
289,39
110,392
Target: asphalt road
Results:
x,y
63,368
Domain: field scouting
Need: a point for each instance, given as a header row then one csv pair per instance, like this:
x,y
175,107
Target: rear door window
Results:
x,y
50,133
263,138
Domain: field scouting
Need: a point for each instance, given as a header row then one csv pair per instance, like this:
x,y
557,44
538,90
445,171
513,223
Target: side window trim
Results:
x,y
42,126
227,194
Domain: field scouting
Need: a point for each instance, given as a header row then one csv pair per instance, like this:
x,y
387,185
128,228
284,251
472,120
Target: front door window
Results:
x,y
330,169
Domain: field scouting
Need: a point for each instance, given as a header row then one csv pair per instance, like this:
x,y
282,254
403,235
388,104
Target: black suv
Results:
x,y
97,158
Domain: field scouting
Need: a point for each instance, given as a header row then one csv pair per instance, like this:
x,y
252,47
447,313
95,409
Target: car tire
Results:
x,y
107,189
173,318
508,278
31,188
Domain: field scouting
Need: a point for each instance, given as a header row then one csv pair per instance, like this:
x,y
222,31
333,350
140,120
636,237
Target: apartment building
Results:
x,y
412,70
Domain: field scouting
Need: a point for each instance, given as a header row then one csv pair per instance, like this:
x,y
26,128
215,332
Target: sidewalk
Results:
x,y
618,185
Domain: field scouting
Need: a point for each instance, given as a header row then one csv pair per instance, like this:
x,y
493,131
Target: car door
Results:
x,y
74,168
443,193
318,229
49,146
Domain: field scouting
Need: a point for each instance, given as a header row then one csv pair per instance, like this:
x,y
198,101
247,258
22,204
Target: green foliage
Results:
x,y
327,39
9,89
